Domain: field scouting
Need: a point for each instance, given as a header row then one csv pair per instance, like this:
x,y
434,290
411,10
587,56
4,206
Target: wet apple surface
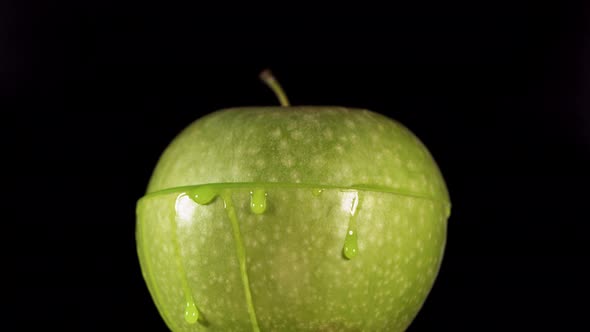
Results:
x,y
286,269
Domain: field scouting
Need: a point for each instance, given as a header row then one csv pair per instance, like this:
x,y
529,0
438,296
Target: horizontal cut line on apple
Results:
x,y
218,187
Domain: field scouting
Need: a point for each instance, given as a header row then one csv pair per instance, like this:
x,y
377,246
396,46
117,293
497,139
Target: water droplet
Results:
x,y
316,192
191,313
203,195
448,210
350,248
258,201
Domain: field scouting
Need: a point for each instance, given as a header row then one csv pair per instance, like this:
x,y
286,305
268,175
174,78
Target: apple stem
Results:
x,y
267,77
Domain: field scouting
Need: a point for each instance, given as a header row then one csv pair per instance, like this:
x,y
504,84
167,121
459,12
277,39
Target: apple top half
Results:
x,y
308,145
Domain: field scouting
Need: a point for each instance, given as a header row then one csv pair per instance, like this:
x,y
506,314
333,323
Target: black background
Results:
x,y
93,93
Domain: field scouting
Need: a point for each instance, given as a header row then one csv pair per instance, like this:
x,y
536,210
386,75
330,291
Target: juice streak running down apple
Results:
x,y
241,253
350,248
191,313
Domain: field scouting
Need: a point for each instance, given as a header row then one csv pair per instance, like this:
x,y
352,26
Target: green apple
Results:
x,y
292,219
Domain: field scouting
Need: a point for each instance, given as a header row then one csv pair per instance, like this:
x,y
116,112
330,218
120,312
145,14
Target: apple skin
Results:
x,y
292,253
315,145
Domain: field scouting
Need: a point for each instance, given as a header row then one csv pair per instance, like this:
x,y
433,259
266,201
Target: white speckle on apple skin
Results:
x,y
288,161
276,133
296,135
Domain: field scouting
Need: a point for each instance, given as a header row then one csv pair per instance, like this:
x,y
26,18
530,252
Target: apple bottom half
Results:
x,y
292,257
